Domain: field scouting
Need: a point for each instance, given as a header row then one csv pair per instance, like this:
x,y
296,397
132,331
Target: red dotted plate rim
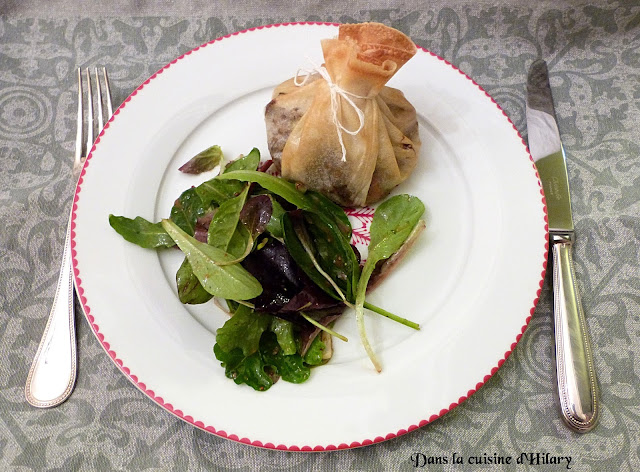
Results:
x,y
210,429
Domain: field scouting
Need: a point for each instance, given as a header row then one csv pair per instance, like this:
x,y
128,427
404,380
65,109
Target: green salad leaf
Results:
x,y
243,369
285,335
190,290
243,212
227,281
141,232
323,252
264,367
217,191
327,208
250,348
243,330
204,161
290,367
296,239
225,222
333,252
393,222
280,187
315,352
274,226
187,209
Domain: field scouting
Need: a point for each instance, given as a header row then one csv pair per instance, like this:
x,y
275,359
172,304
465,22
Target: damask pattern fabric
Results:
x,y
593,52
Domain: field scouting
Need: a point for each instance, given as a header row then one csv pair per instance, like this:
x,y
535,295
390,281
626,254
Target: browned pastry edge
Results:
x,y
378,42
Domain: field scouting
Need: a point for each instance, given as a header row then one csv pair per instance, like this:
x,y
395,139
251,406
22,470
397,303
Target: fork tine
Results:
x,y
107,93
89,113
99,101
79,137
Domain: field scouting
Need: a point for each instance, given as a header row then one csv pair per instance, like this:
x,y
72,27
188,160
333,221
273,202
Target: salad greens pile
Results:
x,y
280,256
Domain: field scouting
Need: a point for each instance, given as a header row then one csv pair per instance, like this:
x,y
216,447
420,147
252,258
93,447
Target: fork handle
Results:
x,y
577,384
53,372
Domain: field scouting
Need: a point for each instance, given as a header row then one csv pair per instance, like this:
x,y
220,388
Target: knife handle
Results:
x,y
577,384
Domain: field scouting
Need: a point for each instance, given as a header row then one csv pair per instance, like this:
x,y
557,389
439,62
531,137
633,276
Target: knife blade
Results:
x,y
576,376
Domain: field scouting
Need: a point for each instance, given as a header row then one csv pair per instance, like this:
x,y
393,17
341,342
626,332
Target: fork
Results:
x,y
52,375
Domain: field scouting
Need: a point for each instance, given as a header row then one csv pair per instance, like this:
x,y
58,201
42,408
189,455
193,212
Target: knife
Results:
x,y
577,383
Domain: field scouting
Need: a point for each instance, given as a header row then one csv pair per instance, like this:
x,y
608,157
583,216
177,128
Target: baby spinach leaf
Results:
x,y
187,209
283,330
393,222
190,291
243,330
141,232
314,238
203,161
218,191
226,281
330,209
249,162
295,238
334,252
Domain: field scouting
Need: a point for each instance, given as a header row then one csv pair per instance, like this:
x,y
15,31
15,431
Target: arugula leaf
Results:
x,y
393,222
226,281
203,161
190,290
218,191
243,330
141,232
187,209
283,330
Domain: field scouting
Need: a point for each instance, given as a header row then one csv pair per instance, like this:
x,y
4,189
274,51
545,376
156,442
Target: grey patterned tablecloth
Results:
x,y
593,50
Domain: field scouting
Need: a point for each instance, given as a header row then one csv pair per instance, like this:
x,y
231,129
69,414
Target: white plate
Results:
x,y
472,281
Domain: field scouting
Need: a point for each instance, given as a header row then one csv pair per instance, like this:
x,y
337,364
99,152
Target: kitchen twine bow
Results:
x,y
334,91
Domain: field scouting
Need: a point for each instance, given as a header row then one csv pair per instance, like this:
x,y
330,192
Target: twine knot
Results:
x,y
335,91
